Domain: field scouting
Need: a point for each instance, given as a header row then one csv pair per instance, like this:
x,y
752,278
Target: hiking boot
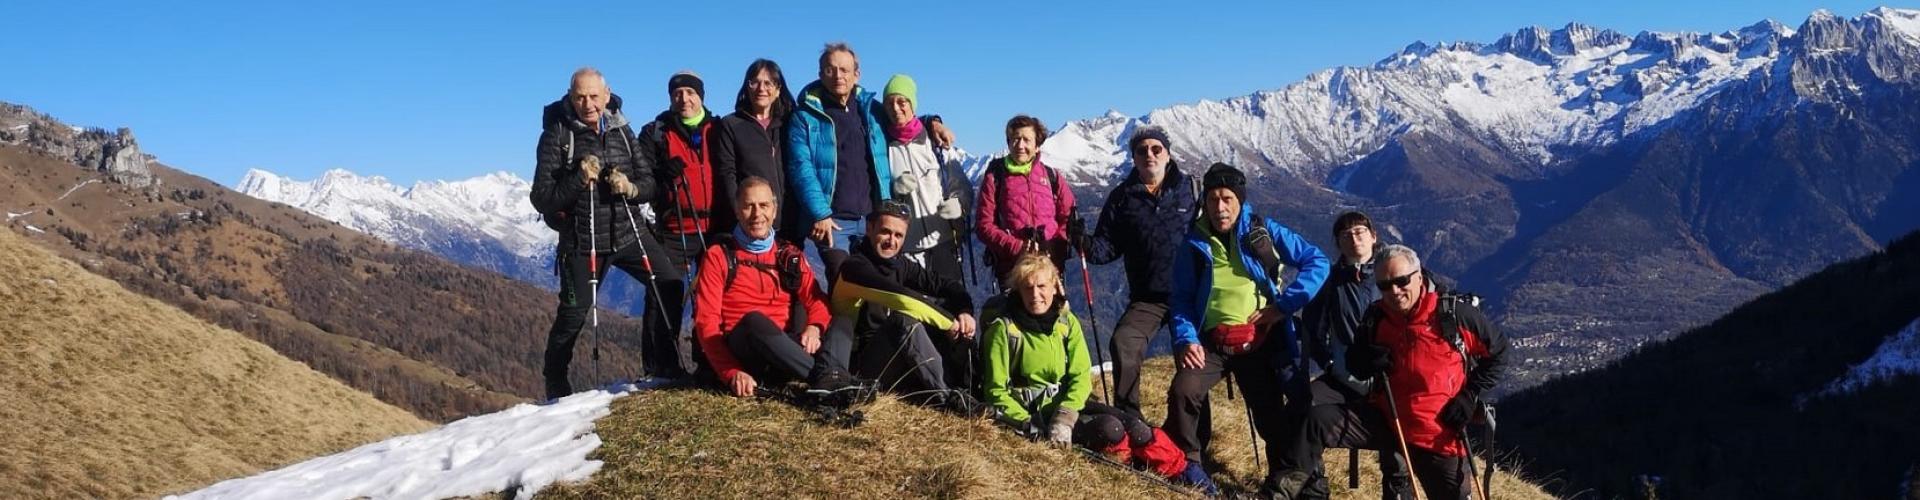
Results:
x,y
829,379
1285,487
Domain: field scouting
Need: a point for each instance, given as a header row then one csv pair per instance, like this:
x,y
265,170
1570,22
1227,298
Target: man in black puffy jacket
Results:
x,y
1145,220
587,181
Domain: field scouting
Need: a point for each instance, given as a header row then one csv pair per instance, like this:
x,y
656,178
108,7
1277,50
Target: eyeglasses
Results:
x,y
760,84
1154,149
1398,282
1355,231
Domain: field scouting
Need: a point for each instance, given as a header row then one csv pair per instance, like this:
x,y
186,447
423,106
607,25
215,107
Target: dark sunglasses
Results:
x,y
1402,281
1149,148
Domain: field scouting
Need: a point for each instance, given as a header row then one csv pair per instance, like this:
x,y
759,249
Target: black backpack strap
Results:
x,y
1449,313
1259,242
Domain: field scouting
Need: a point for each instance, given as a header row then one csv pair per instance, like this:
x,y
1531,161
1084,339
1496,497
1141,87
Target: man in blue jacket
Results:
x,y
1231,316
837,160
838,164
1144,220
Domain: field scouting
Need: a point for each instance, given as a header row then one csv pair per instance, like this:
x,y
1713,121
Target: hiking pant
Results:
x,y
958,357
1130,338
1358,424
1189,416
773,356
659,333
900,355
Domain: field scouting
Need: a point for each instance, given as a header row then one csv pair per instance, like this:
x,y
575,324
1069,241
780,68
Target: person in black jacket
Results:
x,y
1330,323
893,307
587,180
751,142
1145,220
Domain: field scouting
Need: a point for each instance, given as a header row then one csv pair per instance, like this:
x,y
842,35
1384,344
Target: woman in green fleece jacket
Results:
x,y
1037,370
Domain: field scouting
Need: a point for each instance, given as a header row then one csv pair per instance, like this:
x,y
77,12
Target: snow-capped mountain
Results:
x,y
484,221
1602,189
1533,92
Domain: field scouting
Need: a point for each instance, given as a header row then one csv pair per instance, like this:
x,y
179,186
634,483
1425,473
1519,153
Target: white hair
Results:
x,y
585,71
1401,251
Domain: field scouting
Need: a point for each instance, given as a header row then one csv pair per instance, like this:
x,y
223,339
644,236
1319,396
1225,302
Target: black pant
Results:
x,y
1130,338
657,339
1358,424
900,354
1189,413
773,356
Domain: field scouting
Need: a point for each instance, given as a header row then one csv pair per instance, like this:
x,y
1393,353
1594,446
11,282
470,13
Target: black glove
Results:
x,y
673,168
1367,360
1459,410
1077,234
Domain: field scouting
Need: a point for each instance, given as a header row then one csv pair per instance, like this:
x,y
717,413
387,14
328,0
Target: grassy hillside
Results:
x,y
109,394
685,443
1732,409
439,339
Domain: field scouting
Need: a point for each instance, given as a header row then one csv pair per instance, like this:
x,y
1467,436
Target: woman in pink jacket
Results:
x,y
1024,205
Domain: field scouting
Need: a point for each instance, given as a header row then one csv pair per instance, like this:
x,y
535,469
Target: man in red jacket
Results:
x,y
1437,354
743,315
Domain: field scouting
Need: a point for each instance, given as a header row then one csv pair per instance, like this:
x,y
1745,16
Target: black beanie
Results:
x,y
1222,175
687,79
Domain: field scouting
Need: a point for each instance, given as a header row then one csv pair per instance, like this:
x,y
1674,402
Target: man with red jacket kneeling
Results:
x,y
1434,355
759,313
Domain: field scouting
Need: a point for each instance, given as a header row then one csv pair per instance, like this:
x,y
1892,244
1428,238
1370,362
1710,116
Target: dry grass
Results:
x,y
698,444
109,394
1231,449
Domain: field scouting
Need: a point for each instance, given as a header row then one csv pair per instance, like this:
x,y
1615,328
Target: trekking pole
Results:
x,y
1406,458
653,286
1253,433
593,273
1493,428
1093,316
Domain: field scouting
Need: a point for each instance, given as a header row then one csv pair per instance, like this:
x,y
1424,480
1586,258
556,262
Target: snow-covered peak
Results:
x,y
1906,21
492,206
1532,92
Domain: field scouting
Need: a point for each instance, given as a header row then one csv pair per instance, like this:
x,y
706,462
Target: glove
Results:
x,y
621,185
1367,360
1077,234
1061,429
590,169
1459,410
674,168
950,209
904,185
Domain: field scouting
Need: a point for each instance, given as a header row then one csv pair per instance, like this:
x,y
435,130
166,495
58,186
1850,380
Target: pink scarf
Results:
x,y
907,132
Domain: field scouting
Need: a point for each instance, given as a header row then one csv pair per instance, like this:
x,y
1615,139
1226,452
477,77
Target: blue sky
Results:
x,y
452,90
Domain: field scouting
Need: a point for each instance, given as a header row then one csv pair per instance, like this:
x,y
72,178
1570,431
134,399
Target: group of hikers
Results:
x,y
820,242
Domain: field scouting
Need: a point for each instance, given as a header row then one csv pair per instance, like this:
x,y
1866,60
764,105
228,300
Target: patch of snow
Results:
x,y
1906,21
75,187
519,450
1898,356
35,229
11,215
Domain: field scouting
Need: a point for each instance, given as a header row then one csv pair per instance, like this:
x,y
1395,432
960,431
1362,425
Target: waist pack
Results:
x,y
1237,339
